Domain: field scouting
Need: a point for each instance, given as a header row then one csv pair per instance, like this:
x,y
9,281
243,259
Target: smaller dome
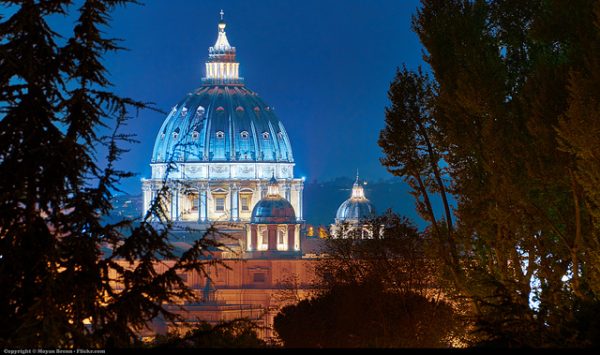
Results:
x,y
356,208
273,209
354,211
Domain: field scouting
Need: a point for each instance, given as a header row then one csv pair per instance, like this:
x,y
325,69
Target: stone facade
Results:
x,y
205,200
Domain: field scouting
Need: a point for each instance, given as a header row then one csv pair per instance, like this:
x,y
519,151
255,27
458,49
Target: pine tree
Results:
x,y
409,144
58,286
514,93
578,134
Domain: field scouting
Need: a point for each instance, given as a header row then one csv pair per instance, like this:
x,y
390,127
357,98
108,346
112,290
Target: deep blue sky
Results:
x,y
324,65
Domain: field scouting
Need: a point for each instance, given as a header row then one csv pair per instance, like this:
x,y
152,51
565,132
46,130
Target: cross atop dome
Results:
x,y
222,23
222,65
222,43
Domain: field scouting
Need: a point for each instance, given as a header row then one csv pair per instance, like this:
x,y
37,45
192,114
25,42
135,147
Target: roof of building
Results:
x,y
222,120
273,208
357,207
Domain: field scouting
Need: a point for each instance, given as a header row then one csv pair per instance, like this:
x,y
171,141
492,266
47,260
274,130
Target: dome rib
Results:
x,y
273,142
243,125
257,149
231,123
286,141
209,110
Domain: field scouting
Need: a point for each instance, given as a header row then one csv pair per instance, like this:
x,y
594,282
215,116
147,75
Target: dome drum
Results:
x,y
224,171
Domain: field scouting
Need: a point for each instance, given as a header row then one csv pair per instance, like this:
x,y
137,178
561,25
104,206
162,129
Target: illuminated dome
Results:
x,y
222,120
357,208
273,208
222,123
217,150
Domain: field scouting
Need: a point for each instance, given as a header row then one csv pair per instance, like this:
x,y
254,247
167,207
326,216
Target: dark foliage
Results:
x,y
59,287
377,292
507,118
239,333
365,315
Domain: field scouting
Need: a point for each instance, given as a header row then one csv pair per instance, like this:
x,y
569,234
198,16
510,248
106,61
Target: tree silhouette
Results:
x,y
511,107
376,292
59,285
238,333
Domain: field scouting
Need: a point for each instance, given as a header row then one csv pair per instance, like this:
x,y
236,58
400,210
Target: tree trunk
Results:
x,y
578,239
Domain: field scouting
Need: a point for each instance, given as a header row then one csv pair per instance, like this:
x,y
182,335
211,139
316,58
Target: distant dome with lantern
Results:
x,y
357,208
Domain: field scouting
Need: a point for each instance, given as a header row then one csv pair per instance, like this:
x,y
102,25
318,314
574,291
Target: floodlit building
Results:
x,y
227,161
219,147
353,216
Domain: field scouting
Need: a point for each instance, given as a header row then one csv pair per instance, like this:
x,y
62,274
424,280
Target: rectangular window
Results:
x,y
220,204
245,203
265,237
259,277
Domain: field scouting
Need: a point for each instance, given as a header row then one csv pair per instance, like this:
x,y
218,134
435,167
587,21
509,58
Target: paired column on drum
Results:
x,y
234,197
286,191
174,189
261,190
202,203
150,194
299,189
148,197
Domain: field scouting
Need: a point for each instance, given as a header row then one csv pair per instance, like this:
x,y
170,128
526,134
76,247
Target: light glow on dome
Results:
x,y
358,192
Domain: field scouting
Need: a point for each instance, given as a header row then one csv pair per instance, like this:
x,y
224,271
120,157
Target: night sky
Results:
x,y
325,66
